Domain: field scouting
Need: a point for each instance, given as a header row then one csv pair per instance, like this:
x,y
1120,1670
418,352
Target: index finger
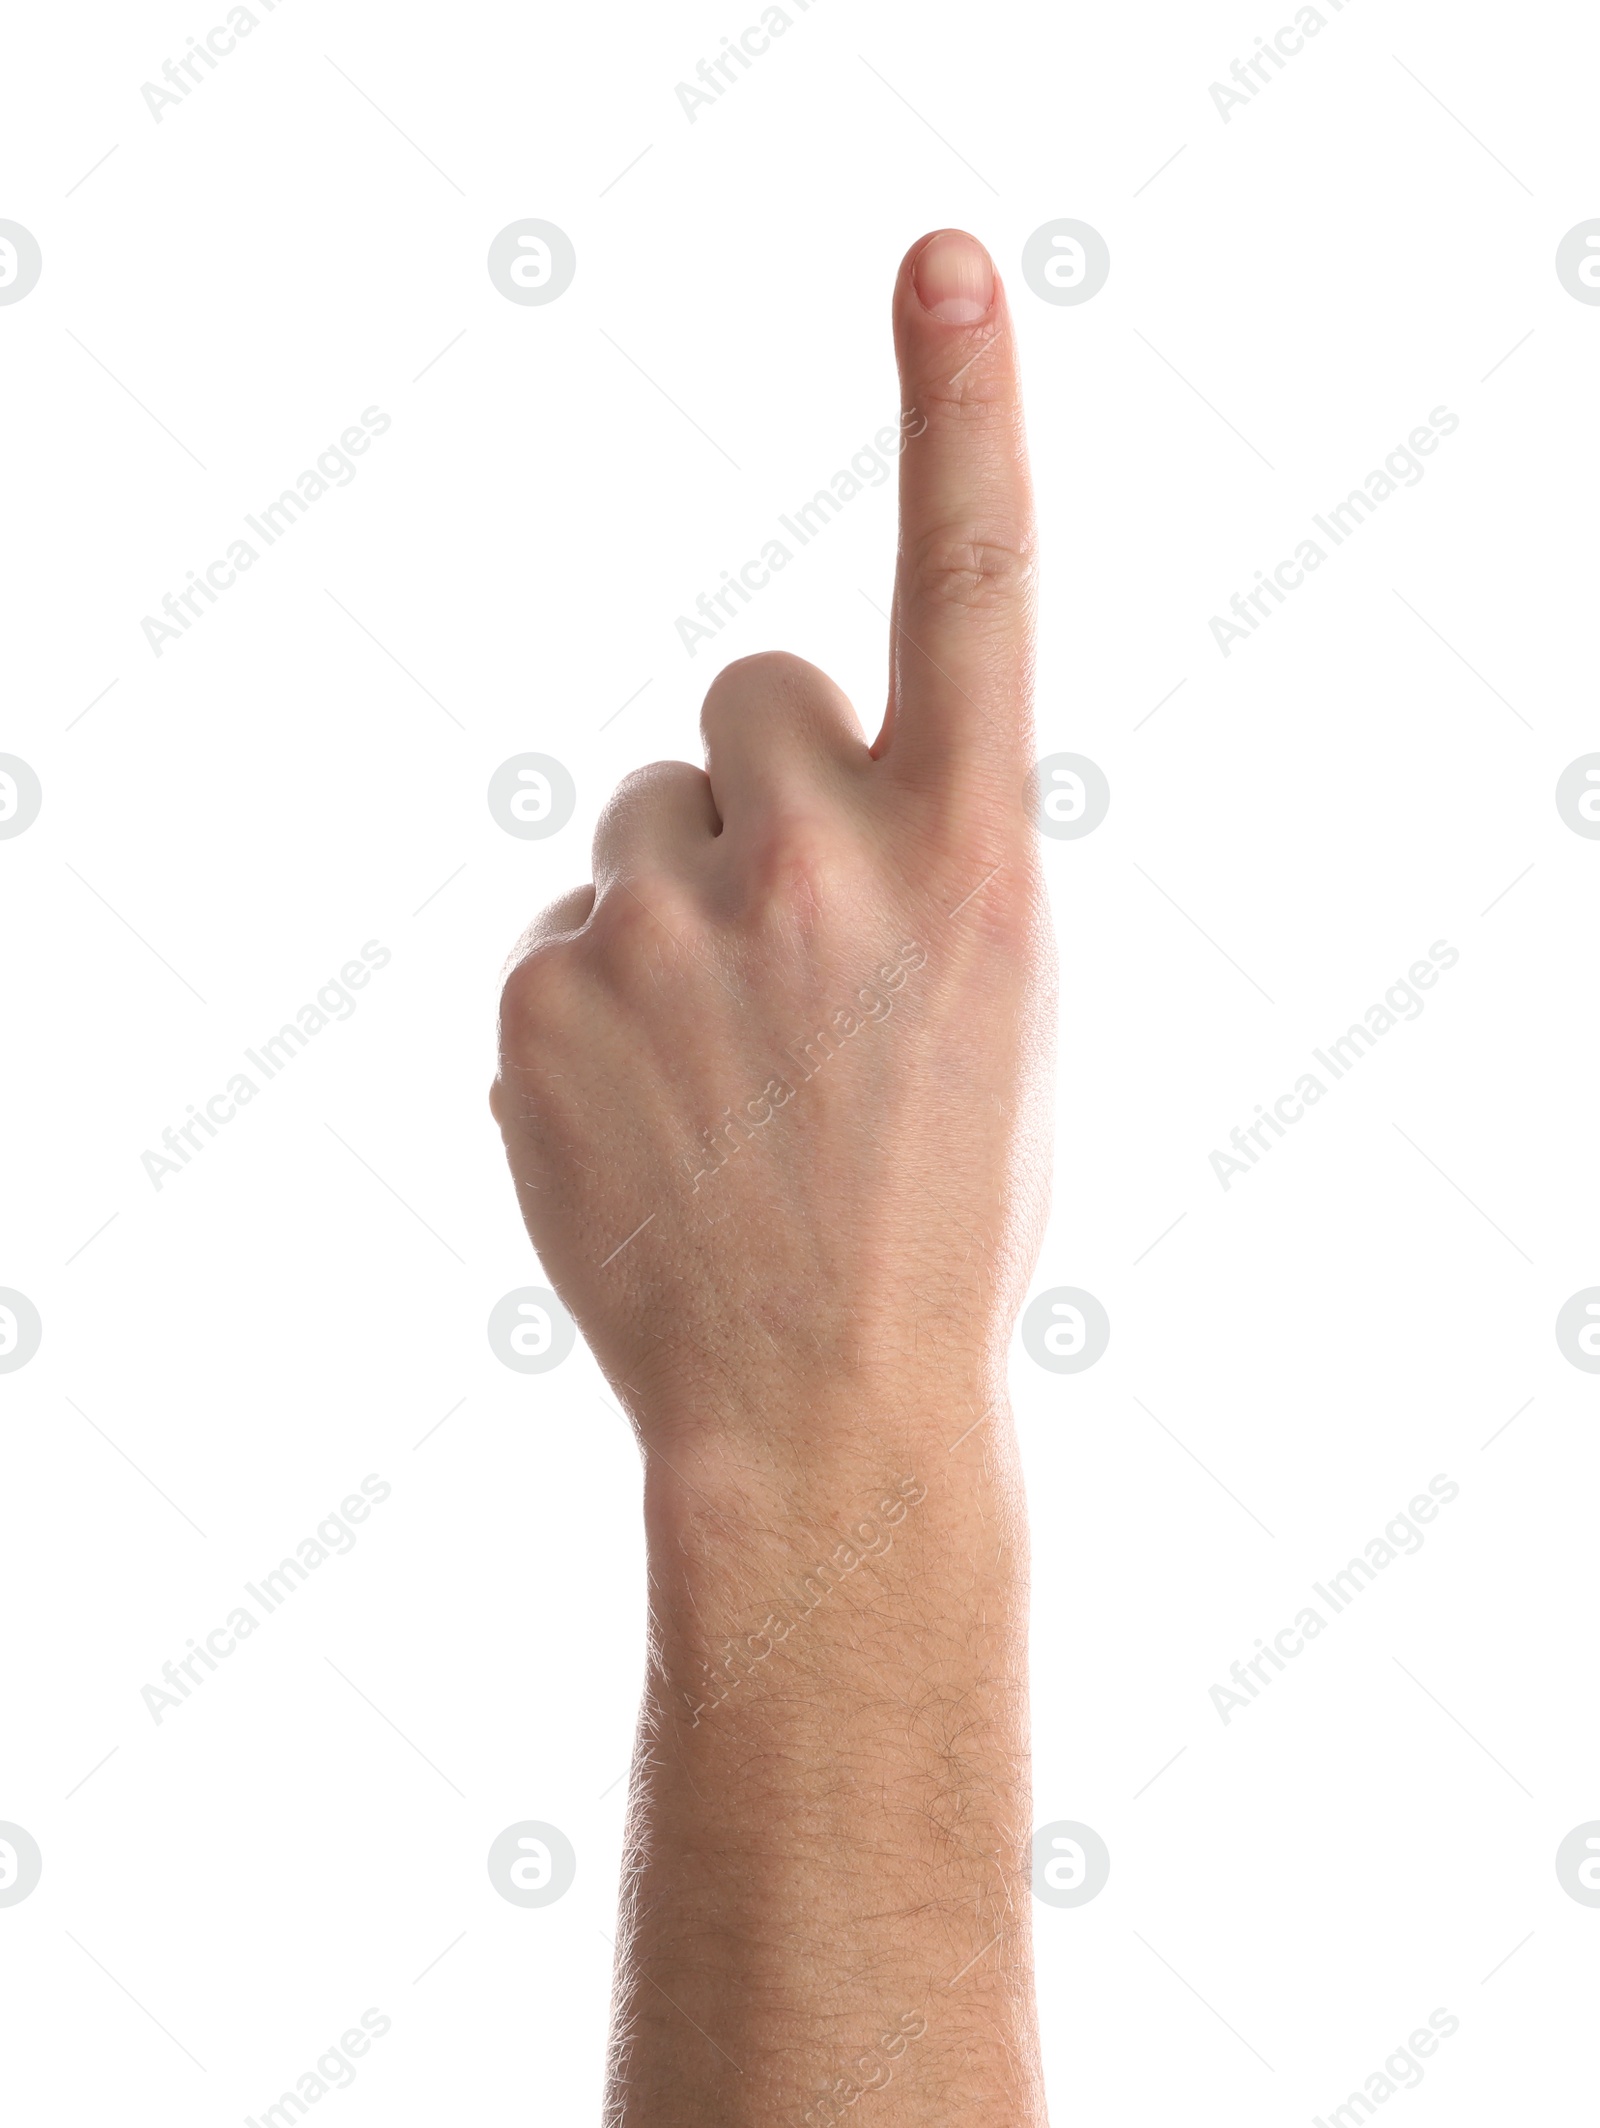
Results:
x,y
961,654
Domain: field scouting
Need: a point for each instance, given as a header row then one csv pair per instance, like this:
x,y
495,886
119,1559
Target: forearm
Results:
x,y
827,1889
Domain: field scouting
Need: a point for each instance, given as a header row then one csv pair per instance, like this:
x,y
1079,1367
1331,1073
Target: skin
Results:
x,y
773,1091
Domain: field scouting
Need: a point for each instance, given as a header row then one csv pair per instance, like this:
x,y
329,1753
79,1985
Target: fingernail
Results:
x,y
953,278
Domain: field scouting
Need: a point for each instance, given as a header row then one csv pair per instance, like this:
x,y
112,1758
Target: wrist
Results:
x,y
752,1462
781,1577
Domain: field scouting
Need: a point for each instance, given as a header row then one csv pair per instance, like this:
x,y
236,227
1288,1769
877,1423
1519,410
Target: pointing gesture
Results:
x,y
770,1090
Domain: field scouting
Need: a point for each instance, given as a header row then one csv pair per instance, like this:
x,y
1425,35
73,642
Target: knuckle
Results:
x,y
763,668
648,919
997,922
799,863
971,397
639,789
961,565
765,673
653,778
530,997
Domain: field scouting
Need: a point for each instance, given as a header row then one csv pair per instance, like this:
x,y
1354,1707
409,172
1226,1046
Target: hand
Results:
x,y
772,1089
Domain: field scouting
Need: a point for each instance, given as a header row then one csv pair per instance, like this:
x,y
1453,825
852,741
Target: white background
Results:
x,y
305,770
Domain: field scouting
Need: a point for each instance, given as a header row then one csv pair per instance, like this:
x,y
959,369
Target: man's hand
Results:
x,y
773,1093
